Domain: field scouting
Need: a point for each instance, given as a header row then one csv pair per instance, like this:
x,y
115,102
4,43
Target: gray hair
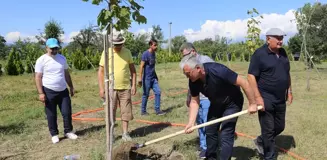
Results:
x,y
191,60
186,45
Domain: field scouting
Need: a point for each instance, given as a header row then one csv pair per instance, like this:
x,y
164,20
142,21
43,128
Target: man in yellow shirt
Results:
x,y
123,69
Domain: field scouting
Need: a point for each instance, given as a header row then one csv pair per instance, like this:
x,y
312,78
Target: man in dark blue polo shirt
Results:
x,y
269,75
149,78
222,87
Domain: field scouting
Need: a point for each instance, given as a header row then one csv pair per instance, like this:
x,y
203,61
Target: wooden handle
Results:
x,y
200,126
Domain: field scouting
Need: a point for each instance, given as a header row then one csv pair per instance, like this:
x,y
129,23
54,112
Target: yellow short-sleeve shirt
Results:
x,y
122,60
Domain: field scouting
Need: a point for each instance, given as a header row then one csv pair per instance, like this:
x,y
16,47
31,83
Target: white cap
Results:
x,y
275,32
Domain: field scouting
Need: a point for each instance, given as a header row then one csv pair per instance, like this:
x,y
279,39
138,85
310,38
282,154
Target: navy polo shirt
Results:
x,y
271,72
219,83
149,65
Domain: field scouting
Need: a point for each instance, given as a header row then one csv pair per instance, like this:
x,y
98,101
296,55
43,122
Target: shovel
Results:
x,y
137,146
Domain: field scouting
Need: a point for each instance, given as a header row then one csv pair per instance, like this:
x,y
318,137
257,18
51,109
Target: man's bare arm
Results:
x,y
188,98
246,88
38,81
133,73
101,78
290,85
68,79
141,69
253,83
194,108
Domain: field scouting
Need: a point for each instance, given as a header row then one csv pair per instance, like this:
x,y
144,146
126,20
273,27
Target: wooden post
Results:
x,y
112,95
109,91
106,82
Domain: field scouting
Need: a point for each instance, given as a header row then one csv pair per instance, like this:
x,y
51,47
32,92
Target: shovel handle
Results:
x,y
200,126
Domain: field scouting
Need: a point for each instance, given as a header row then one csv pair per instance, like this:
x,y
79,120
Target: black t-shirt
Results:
x,y
271,72
219,83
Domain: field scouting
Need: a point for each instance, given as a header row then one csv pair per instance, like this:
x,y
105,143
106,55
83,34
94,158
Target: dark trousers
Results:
x,y
272,122
227,131
61,99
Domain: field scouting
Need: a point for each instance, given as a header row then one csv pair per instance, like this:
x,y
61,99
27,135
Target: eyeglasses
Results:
x,y
187,53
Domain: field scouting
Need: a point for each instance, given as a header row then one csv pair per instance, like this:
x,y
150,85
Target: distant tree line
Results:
x,y
85,49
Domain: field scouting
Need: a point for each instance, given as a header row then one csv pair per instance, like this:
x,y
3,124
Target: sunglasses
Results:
x,y
55,48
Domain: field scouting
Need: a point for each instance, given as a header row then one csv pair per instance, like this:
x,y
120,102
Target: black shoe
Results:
x,y
202,154
258,146
144,114
160,113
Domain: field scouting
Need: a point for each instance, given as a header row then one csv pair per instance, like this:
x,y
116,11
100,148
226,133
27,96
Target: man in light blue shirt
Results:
x,y
186,49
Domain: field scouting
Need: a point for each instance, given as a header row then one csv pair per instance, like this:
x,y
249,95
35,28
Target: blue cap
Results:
x,y
52,43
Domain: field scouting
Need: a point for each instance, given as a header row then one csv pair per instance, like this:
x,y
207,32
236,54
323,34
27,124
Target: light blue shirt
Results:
x,y
203,59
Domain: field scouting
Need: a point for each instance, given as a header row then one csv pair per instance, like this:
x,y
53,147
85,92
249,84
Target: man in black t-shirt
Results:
x,y
222,87
269,76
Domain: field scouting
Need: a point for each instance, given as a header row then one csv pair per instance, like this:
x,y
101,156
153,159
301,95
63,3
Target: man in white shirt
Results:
x,y
51,76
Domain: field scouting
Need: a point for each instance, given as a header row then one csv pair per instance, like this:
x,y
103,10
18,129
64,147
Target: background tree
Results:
x,y
294,44
176,42
122,11
312,25
136,43
158,35
89,37
2,47
52,29
253,32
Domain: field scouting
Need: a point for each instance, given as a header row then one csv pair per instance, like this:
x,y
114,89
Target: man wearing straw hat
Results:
x,y
123,89
269,76
222,86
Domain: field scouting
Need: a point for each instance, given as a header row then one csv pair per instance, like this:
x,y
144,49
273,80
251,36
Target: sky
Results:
x,y
196,19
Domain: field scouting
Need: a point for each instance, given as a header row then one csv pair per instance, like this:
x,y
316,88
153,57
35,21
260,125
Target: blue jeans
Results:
x,y
154,85
202,118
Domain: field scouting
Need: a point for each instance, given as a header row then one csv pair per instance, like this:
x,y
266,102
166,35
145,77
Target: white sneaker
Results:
x,y
55,139
126,137
71,135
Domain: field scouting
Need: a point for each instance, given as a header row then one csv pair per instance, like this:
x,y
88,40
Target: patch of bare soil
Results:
x,y
125,151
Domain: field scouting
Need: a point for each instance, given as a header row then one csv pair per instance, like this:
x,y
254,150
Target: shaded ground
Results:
x,y
125,151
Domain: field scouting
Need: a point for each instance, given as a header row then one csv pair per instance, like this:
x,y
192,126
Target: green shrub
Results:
x,y
79,61
233,57
14,64
225,57
242,57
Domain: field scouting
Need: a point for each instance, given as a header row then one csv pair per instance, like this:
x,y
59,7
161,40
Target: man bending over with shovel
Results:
x,y
222,87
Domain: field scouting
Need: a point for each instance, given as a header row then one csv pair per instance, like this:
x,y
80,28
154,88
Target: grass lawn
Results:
x,y
24,133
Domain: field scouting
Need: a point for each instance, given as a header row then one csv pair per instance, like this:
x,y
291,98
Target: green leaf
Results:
x,y
107,15
125,12
141,19
96,2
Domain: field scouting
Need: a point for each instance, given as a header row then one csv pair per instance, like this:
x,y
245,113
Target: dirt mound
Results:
x,y
125,152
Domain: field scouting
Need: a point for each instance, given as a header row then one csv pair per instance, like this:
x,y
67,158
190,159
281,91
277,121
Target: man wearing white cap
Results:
x,y
269,75
123,69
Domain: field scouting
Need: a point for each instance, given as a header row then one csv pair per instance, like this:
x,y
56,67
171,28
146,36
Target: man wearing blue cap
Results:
x,y
51,76
269,75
